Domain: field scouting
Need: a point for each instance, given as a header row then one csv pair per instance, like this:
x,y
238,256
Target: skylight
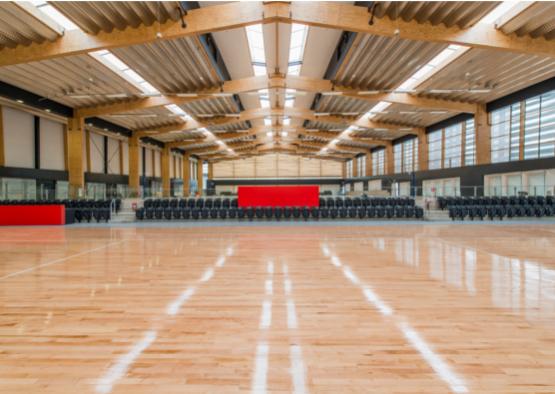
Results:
x,y
497,12
54,14
178,111
296,48
255,39
115,63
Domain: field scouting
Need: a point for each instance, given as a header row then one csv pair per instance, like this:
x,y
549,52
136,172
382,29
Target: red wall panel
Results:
x,y
29,215
278,196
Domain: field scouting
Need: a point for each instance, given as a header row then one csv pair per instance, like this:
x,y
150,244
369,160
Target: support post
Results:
x,y
165,164
76,173
199,176
186,174
483,136
134,177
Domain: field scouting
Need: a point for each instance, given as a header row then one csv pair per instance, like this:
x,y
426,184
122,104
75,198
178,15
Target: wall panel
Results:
x,y
97,153
113,156
19,138
125,153
51,145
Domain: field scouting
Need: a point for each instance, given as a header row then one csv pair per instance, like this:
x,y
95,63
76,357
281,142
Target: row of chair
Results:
x,y
278,213
67,203
446,202
364,201
88,214
200,202
472,212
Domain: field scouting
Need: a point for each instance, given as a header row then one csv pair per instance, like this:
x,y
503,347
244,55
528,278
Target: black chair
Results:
x,y
182,203
361,212
173,203
259,212
324,213
322,202
343,212
208,203
199,202
232,213
338,202
380,212
240,213
334,213
195,213
287,212
296,212
158,213
186,213
217,203
140,214
278,212
330,202
249,213
352,212
305,212
389,211
226,203
400,211
269,212
371,212
205,213
191,203
315,213
176,213
223,213
167,213
234,203
214,213
418,212
149,213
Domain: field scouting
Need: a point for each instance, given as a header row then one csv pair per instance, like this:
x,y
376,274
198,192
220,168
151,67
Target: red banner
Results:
x,y
29,215
279,196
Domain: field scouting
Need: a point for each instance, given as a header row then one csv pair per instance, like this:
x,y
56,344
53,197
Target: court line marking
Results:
x,y
434,360
260,369
297,369
60,260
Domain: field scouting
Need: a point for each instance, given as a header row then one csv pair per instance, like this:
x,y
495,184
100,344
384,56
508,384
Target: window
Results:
x,y
349,169
378,162
361,166
470,143
452,146
405,156
505,134
539,126
296,48
434,149
453,140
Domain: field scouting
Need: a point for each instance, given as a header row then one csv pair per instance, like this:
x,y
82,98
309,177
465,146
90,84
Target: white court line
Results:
x,y
266,316
208,274
440,367
60,260
269,286
270,267
291,314
120,368
435,361
297,369
287,286
260,369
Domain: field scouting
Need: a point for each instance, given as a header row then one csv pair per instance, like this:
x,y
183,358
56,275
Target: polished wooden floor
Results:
x,y
390,309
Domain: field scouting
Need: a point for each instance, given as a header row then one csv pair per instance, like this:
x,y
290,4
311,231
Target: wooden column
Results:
x,y
66,158
368,164
483,136
165,168
120,149
355,167
75,135
210,170
134,165
389,163
422,151
199,176
344,170
186,170
2,154
88,151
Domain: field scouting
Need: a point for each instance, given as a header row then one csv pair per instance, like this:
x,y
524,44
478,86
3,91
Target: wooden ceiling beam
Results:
x,y
239,14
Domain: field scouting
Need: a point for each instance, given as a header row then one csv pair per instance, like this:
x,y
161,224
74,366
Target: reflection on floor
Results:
x,y
384,309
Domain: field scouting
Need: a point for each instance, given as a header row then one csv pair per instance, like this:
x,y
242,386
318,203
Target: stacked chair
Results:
x,y
80,210
496,207
329,208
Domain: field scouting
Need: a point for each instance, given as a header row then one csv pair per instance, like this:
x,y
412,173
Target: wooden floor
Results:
x,y
391,309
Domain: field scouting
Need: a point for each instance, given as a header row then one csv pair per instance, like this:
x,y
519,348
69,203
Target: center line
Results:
x,y
297,369
269,287
260,369
266,317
